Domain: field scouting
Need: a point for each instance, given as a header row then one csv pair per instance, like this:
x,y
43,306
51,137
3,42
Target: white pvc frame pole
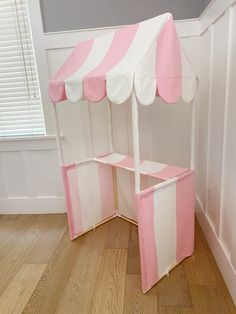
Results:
x,y
110,126
58,139
193,129
136,142
90,130
192,162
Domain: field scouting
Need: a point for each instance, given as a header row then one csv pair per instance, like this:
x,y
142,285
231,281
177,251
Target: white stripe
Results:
x,y
120,78
188,80
151,167
145,78
147,33
113,158
165,227
74,205
125,191
90,196
74,84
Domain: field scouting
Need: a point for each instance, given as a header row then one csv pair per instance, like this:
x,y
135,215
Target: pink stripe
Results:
x,y
68,202
70,166
147,244
127,162
71,65
75,201
134,208
94,82
185,194
169,172
106,190
168,64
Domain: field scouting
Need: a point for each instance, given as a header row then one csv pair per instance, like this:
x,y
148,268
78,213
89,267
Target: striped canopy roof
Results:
x,y
145,57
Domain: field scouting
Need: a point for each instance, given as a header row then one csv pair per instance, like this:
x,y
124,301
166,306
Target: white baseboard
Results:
x,y
218,251
32,205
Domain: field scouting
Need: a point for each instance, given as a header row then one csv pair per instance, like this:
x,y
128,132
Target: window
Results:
x,y
20,102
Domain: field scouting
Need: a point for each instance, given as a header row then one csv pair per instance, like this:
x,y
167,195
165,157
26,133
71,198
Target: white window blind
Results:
x,y
20,103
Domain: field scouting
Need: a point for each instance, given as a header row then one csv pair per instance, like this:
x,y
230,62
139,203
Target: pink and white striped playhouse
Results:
x,y
135,63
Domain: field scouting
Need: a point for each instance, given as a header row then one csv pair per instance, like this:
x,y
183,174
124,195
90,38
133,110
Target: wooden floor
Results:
x,y
42,271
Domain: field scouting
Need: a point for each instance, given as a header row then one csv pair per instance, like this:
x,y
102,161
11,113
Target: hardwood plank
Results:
x,y
173,290
108,295
133,265
118,234
12,229
220,281
18,292
15,257
137,302
199,233
78,291
221,284
8,217
208,299
175,310
198,268
100,271
48,292
47,244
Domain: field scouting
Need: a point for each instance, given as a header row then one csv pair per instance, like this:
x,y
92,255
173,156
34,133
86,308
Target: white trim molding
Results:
x,y
32,205
213,12
68,39
218,250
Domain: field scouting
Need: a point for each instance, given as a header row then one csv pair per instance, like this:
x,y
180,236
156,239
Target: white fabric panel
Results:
x,y
120,124
145,81
120,78
151,166
165,227
74,85
147,167
113,158
74,122
145,132
99,128
125,193
134,55
89,195
188,80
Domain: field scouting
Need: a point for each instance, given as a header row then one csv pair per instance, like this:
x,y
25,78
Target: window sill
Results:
x,y
30,138
29,143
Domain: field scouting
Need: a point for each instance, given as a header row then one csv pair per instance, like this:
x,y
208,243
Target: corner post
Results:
x,y
57,129
193,129
110,126
135,131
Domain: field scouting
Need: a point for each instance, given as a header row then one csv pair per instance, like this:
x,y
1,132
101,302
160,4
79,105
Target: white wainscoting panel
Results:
x,y
216,129
30,180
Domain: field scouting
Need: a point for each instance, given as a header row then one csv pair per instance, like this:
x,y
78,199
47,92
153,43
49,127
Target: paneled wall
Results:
x,y
30,177
216,129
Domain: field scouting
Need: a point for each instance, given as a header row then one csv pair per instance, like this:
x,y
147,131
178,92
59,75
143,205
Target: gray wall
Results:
x,y
62,15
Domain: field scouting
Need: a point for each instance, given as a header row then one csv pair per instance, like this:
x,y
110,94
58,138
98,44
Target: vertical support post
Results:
x,y
193,130
90,129
192,161
135,131
110,127
57,129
